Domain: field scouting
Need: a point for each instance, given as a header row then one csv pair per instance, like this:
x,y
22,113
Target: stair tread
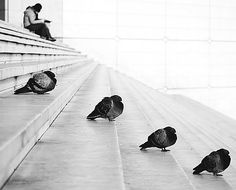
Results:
x,y
18,110
150,169
195,139
80,154
27,116
75,153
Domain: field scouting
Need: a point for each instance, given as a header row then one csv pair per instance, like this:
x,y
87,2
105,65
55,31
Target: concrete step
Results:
x,y
80,154
150,169
198,135
18,44
16,36
75,153
24,118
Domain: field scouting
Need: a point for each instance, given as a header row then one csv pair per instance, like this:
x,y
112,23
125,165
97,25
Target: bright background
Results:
x,y
176,46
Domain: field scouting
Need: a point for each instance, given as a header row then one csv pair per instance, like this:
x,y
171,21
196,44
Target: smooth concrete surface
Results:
x,y
151,169
75,153
200,130
24,118
79,154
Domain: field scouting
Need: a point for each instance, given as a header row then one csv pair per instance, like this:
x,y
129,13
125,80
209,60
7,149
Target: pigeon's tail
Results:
x,y
22,90
95,114
199,169
145,145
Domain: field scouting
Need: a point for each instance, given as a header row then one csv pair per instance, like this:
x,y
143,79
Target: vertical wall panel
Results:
x,y
143,60
223,19
187,19
141,19
187,64
186,29
222,71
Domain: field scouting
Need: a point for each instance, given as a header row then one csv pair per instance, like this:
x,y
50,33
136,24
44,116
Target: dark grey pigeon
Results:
x,y
116,108
101,109
161,138
216,162
40,83
109,108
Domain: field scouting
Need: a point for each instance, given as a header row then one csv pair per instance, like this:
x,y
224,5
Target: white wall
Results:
x,y
180,42
167,44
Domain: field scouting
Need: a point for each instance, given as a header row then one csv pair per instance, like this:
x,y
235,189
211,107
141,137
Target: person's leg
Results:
x,y
36,28
46,33
42,30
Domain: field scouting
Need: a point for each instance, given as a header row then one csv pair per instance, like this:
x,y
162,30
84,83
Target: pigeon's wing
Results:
x,y
104,106
51,85
42,79
101,109
35,87
158,138
209,162
42,83
116,110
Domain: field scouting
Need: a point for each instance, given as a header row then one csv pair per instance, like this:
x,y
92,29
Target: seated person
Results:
x,y
36,25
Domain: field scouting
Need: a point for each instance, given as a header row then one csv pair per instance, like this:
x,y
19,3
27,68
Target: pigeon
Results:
x,y
39,83
109,108
161,138
215,162
116,108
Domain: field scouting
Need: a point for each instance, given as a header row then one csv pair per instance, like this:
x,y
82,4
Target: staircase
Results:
x,y
24,118
46,142
76,153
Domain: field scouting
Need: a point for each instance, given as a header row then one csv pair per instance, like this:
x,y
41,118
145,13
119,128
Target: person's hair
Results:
x,y
37,7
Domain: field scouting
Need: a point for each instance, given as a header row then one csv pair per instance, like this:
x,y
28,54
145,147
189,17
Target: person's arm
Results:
x,y
32,20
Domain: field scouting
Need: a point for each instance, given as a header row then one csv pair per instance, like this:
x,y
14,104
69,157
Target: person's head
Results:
x,y
37,7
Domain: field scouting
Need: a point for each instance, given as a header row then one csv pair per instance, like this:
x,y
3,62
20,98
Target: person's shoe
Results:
x,y
51,39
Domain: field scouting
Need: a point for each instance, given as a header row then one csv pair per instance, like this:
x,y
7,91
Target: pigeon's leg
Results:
x,y
164,150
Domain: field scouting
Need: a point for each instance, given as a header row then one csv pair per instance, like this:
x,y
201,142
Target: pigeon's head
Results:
x,y
223,151
116,98
170,129
50,74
